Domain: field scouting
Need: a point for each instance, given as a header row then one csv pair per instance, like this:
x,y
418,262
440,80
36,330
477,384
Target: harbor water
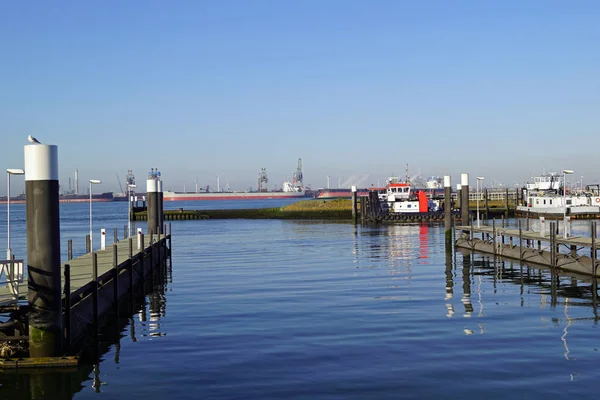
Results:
x,y
270,309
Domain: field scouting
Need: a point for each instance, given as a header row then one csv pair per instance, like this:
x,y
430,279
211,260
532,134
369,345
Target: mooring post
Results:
x,y
87,244
43,250
448,212
69,249
160,214
125,235
152,210
506,203
458,197
464,204
354,203
67,308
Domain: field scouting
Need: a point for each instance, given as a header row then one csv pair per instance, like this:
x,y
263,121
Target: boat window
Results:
x,y
544,201
537,201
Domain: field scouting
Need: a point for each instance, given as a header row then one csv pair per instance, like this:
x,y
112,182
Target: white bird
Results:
x,y
32,139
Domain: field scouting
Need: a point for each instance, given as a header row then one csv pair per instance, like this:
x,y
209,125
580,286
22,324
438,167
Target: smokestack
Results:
x,y
76,182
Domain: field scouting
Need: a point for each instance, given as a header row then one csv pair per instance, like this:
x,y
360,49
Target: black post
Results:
x,y
43,250
354,204
70,250
67,308
448,212
160,215
116,236
87,244
464,204
152,210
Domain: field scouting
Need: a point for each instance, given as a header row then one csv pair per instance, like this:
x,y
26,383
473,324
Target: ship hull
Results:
x,y
172,196
77,198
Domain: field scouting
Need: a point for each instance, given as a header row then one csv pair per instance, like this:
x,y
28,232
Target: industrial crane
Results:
x,y
297,180
262,178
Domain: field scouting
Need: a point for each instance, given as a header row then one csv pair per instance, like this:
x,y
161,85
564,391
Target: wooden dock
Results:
x,y
95,284
548,249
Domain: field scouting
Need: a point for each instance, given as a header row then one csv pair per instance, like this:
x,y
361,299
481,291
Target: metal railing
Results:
x,y
11,276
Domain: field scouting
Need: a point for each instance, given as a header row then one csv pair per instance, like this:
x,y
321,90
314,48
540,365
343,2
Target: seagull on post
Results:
x,y
33,140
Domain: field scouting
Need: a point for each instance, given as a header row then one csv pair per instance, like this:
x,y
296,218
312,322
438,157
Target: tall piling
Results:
x,y
152,198
354,204
458,196
43,250
448,211
464,202
160,214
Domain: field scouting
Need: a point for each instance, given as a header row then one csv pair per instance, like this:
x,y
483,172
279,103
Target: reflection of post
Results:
x,y
449,284
466,271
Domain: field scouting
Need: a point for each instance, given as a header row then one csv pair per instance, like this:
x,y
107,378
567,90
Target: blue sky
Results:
x,y
357,89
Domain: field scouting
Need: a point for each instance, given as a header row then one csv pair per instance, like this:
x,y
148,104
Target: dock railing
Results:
x,y
11,275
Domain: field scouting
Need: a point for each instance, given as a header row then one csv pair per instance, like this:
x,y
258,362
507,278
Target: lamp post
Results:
x,y
565,172
581,183
92,182
9,172
129,187
479,178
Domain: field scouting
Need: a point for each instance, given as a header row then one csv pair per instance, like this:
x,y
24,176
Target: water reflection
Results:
x,y
65,383
572,294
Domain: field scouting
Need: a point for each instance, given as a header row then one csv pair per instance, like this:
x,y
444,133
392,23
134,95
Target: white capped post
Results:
x,y
9,172
92,182
43,250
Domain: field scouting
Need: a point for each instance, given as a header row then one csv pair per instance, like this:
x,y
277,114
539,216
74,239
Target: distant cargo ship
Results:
x,y
65,198
291,190
179,196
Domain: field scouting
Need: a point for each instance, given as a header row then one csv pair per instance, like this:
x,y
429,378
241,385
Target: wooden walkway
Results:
x,y
529,235
81,268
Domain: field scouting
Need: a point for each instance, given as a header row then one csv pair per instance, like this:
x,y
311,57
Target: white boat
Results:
x,y
546,196
400,198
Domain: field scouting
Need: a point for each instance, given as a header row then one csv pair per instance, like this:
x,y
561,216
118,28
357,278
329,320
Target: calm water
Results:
x,y
290,309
